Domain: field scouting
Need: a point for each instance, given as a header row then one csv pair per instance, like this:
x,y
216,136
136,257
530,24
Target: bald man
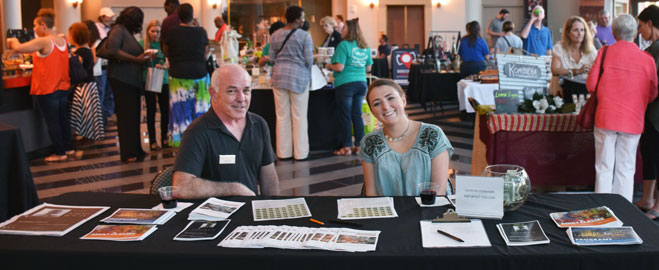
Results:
x,y
227,150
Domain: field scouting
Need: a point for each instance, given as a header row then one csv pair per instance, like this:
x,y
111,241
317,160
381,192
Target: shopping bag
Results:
x,y
154,78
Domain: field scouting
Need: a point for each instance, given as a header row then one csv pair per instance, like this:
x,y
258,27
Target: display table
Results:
x,y
17,191
380,68
399,246
483,93
428,85
321,116
552,148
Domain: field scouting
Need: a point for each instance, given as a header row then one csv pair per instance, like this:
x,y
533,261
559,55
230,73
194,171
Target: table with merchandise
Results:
x,y
394,236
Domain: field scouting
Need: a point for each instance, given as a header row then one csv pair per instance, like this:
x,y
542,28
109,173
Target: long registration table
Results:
x,y
399,246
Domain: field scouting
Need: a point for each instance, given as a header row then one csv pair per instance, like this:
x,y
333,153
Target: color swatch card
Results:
x,y
363,208
280,209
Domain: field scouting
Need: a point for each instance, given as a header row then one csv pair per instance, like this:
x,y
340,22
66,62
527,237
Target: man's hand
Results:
x,y
11,42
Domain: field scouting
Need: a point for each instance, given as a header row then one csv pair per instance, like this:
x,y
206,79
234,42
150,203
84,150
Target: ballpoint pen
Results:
x,y
450,236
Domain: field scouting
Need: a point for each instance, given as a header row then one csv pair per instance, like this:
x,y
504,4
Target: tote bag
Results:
x,y
154,78
586,117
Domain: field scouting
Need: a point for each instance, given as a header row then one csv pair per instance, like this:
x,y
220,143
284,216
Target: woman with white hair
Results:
x,y
333,37
627,84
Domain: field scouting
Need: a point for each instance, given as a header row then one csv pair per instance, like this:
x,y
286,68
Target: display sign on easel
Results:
x,y
524,74
401,61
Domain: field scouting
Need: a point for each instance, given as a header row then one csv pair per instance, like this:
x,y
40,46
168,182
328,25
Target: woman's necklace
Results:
x,y
401,135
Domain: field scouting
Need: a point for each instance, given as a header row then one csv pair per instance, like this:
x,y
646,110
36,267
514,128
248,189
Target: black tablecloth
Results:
x,y
414,88
438,87
380,68
573,86
399,245
321,116
17,192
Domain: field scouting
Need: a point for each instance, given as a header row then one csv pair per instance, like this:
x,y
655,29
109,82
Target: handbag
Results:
x,y
77,72
586,117
154,78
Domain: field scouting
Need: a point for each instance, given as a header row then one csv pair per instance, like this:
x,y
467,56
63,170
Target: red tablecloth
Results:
x,y
553,149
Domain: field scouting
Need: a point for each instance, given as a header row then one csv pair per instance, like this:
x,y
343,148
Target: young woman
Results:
x,y
648,21
85,114
350,63
473,50
50,85
153,42
404,152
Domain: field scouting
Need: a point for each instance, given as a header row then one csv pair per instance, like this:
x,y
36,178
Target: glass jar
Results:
x,y
516,184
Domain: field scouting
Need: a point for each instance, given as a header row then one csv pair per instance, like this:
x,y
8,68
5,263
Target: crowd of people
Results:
x,y
206,114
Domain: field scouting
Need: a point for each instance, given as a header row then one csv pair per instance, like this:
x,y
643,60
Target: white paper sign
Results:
x,y
479,196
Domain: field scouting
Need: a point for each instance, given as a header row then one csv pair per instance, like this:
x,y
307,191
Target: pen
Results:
x,y
345,222
317,221
450,236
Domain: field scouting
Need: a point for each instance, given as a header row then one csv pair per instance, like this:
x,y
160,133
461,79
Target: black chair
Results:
x,y
162,179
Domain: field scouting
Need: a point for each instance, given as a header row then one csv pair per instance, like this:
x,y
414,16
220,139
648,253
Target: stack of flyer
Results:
x,y
289,237
594,217
120,232
595,226
363,208
594,236
198,230
523,233
139,216
50,219
214,209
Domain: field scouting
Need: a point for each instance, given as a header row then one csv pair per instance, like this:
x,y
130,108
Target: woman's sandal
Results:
x,y
345,151
55,158
652,214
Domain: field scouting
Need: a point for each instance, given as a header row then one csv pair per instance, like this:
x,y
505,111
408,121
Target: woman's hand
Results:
x,y
328,66
583,69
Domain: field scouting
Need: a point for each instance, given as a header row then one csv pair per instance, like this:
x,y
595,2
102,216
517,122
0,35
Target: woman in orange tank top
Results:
x,y
50,80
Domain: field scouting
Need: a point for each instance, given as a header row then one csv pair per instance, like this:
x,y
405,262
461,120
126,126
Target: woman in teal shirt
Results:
x,y
350,63
153,38
403,152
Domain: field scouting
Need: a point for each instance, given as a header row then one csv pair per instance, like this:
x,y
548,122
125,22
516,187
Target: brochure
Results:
x,y
50,219
594,217
523,233
290,237
139,216
280,209
120,232
451,234
363,208
215,209
593,236
202,230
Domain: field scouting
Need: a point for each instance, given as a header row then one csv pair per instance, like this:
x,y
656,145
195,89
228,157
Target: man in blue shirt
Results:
x,y
604,33
537,38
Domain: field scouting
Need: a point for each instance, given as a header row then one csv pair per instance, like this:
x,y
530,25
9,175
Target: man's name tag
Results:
x,y
227,159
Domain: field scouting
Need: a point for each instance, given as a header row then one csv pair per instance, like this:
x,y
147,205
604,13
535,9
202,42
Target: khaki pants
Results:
x,y
291,131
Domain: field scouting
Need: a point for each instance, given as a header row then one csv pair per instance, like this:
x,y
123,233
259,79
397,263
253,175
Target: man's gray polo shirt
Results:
x,y
207,140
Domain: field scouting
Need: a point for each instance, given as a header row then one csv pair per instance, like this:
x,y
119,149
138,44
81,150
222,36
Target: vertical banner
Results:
x,y
401,61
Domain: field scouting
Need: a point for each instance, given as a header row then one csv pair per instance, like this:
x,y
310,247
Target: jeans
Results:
x,y
107,100
163,103
54,109
471,67
349,98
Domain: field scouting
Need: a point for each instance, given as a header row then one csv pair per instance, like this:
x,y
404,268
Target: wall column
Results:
x,y
11,14
207,17
65,15
474,12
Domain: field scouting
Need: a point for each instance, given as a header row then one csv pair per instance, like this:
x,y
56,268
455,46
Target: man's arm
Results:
x,y
192,187
269,180
525,32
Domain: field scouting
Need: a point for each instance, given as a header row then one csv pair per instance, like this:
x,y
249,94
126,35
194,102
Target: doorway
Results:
x,y
405,25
